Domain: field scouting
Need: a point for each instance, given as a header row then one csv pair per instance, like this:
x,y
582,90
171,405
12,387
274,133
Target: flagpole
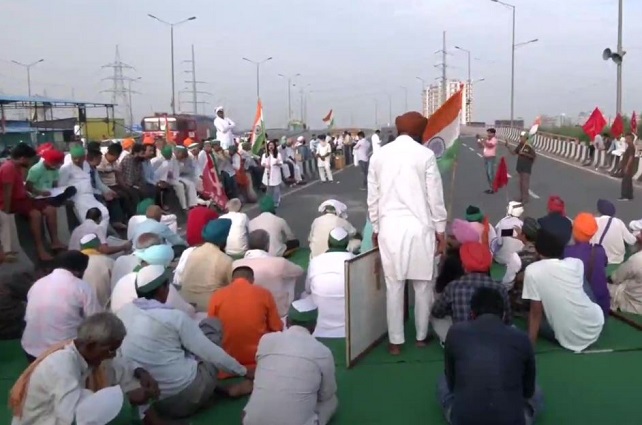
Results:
x,y
451,196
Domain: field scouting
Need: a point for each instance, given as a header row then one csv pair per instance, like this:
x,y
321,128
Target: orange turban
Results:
x,y
188,142
411,123
53,157
475,257
584,227
148,139
128,143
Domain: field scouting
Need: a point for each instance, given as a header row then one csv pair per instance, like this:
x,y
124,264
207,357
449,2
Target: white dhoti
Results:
x,y
83,202
297,170
190,197
286,171
325,172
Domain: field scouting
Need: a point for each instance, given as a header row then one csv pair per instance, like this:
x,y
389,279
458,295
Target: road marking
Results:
x,y
471,149
300,188
479,155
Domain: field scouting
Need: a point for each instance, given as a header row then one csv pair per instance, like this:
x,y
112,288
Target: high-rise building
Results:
x,y
433,98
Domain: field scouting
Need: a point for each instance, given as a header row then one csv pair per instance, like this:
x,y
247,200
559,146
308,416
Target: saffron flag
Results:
x,y
258,137
212,186
329,119
634,124
617,128
595,124
501,175
442,131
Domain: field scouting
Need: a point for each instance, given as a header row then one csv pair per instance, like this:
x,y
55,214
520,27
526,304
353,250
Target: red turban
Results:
x,y
44,147
52,157
475,257
556,205
411,123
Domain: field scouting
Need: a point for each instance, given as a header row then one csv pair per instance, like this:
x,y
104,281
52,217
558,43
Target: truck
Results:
x,y
180,126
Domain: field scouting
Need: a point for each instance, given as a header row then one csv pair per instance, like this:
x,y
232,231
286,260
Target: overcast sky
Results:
x,y
352,53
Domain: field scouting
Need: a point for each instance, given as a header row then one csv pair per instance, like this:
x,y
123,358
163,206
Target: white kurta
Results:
x,y
84,199
406,207
98,275
272,172
224,134
237,238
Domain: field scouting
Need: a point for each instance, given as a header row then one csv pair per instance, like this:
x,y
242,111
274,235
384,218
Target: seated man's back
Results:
x,y
247,312
559,285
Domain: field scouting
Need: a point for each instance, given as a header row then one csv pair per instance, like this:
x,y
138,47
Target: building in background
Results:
x,y
433,98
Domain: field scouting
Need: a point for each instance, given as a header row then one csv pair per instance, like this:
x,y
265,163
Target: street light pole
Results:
x,y
405,89
28,67
512,65
618,101
258,73
289,80
171,41
469,87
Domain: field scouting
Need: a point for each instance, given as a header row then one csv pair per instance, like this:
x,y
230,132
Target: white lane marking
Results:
x,y
530,192
479,155
300,188
471,149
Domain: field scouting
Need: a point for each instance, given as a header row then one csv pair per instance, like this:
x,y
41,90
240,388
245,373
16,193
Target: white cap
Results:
x,y
219,109
515,209
339,207
150,277
338,233
304,305
300,139
88,238
100,408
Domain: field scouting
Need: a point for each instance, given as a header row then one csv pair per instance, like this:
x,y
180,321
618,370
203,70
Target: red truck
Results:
x,y
181,126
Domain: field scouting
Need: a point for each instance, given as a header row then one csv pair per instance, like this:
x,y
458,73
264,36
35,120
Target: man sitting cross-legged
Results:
x,y
489,368
561,300
453,305
247,312
167,343
282,239
295,380
54,388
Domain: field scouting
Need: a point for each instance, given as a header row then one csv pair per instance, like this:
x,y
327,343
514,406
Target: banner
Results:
x,y
258,137
442,131
329,119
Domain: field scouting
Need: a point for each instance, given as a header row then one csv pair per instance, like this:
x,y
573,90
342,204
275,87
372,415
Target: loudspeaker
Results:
x,y
82,115
606,54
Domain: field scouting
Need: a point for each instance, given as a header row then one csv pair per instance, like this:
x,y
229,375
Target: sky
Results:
x,y
353,56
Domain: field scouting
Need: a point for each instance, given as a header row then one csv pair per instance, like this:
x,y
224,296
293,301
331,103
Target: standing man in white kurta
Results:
x,y
408,216
224,129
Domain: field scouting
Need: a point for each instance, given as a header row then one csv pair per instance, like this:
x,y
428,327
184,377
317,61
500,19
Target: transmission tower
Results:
x,y
193,85
443,65
119,91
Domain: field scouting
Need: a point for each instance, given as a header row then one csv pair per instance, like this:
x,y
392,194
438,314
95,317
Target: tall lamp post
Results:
x,y
304,103
424,95
131,106
468,86
171,34
617,57
28,67
405,91
289,80
258,73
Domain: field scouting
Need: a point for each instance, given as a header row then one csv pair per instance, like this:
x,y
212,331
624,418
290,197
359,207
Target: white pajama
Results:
x,y
84,202
325,172
424,294
189,191
441,327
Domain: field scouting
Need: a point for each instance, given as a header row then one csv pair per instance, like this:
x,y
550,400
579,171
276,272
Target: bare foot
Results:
x,y
45,256
394,349
241,389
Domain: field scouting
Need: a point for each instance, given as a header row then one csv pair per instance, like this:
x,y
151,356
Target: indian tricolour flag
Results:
x,y
258,130
442,131
329,119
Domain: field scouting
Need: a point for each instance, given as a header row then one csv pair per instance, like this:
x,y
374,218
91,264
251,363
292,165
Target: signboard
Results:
x,y
366,324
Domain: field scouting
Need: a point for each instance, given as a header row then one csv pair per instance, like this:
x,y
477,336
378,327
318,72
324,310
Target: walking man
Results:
x,y
629,168
361,150
489,151
408,216
525,158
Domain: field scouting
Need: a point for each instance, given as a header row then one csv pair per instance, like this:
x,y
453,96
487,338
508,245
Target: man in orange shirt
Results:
x,y
247,312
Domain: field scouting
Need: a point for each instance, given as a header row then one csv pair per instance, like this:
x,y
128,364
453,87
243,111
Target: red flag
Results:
x,y
501,176
617,128
595,124
212,186
634,124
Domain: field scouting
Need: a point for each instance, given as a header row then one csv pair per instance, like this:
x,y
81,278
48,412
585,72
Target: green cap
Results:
x,y
150,278
89,241
77,152
474,214
167,152
338,239
303,311
266,204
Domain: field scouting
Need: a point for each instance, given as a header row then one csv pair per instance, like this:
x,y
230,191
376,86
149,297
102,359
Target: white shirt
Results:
x,y
320,232
98,275
326,284
376,142
125,293
237,238
224,134
58,386
615,239
558,284
166,170
72,175
272,172
87,227
56,305
180,268
123,265
323,149
361,150
277,228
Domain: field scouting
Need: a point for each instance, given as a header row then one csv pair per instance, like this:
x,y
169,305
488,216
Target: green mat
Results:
x,y
632,317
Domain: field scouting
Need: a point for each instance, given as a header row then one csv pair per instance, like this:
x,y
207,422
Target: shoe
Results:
x,y
489,191
625,199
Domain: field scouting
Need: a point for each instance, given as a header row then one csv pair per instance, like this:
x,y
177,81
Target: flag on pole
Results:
x,y
634,124
595,124
212,186
501,175
258,137
329,119
442,131
617,128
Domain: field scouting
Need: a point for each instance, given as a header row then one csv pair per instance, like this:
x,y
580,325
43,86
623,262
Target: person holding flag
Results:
x,y
525,153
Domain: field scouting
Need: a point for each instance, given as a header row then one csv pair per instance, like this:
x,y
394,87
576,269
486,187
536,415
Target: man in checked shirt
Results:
x,y
454,303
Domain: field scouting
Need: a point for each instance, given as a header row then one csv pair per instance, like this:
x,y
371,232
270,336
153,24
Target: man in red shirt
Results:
x,y
197,219
16,200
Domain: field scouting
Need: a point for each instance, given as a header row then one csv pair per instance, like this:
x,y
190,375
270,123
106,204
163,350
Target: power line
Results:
x,y
119,91
193,82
